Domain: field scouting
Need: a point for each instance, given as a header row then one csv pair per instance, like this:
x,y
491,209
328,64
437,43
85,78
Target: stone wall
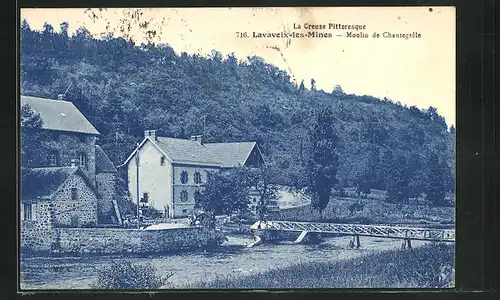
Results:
x,y
68,145
106,188
36,236
79,212
111,241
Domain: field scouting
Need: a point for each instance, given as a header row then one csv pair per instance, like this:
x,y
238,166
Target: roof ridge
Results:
x,y
247,142
54,168
49,99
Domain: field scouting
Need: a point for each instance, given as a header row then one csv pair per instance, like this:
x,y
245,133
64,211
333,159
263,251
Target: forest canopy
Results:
x,y
124,89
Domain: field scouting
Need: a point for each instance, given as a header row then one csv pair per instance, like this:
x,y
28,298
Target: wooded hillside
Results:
x,y
124,89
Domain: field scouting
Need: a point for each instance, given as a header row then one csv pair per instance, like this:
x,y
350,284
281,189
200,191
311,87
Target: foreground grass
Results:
x,y
429,266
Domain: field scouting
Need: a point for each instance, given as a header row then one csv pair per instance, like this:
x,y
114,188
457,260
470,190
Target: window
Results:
x,y
145,198
184,211
162,161
53,158
184,177
82,158
74,194
184,196
28,212
82,138
197,195
197,178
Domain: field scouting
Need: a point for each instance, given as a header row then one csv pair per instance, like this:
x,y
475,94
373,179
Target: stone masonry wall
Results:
x,y
77,212
68,145
111,241
106,187
35,235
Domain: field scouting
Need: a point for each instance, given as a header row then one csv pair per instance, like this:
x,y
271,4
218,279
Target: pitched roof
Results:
x,y
59,115
186,151
43,182
102,162
231,154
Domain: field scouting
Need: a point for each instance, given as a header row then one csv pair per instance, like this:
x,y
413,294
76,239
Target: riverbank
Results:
x,y
355,210
429,266
232,259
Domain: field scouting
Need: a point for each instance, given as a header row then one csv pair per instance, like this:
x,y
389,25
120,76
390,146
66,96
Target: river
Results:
x,y
230,259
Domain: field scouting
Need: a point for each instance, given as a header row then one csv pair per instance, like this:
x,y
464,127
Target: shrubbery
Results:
x,y
122,274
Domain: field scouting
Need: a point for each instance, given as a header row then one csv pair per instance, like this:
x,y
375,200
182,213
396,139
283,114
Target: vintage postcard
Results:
x,y
237,148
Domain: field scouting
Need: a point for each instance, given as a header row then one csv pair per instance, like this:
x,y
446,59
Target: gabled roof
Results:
x,y
231,154
186,151
59,115
43,183
102,162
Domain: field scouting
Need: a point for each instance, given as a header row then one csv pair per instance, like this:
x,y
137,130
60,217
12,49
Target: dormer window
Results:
x,y
82,159
184,177
162,160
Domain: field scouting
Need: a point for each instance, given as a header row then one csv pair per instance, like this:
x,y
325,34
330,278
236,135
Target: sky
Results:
x,y
418,71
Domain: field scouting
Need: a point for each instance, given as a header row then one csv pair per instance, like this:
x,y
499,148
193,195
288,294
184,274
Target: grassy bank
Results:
x,y
371,210
429,266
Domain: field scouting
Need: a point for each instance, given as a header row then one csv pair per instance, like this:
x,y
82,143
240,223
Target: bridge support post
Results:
x,y
406,244
355,243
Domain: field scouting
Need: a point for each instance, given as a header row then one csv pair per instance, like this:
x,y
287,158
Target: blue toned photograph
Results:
x,y
236,148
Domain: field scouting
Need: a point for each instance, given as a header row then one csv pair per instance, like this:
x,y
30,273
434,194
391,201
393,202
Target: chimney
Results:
x,y
60,97
74,162
197,138
151,133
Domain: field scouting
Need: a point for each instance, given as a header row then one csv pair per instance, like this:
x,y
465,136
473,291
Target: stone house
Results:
x,y
58,196
70,140
171,171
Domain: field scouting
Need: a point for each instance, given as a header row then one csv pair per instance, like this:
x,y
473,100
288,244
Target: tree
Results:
x,y
337,90
323,163
31,137
260,180
301,86
223,193
367,179
313,84
436,184
397,184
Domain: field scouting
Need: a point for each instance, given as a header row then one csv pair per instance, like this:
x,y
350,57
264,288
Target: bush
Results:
x,y
151,213
90,224
122,274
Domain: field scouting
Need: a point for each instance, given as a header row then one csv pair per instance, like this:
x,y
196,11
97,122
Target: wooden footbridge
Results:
x,y
381,231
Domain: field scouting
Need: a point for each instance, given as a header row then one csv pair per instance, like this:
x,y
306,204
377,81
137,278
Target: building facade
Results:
x,y
69,140
169,172
59,197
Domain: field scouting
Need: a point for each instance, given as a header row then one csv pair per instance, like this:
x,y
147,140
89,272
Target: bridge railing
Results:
x,y
430,234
